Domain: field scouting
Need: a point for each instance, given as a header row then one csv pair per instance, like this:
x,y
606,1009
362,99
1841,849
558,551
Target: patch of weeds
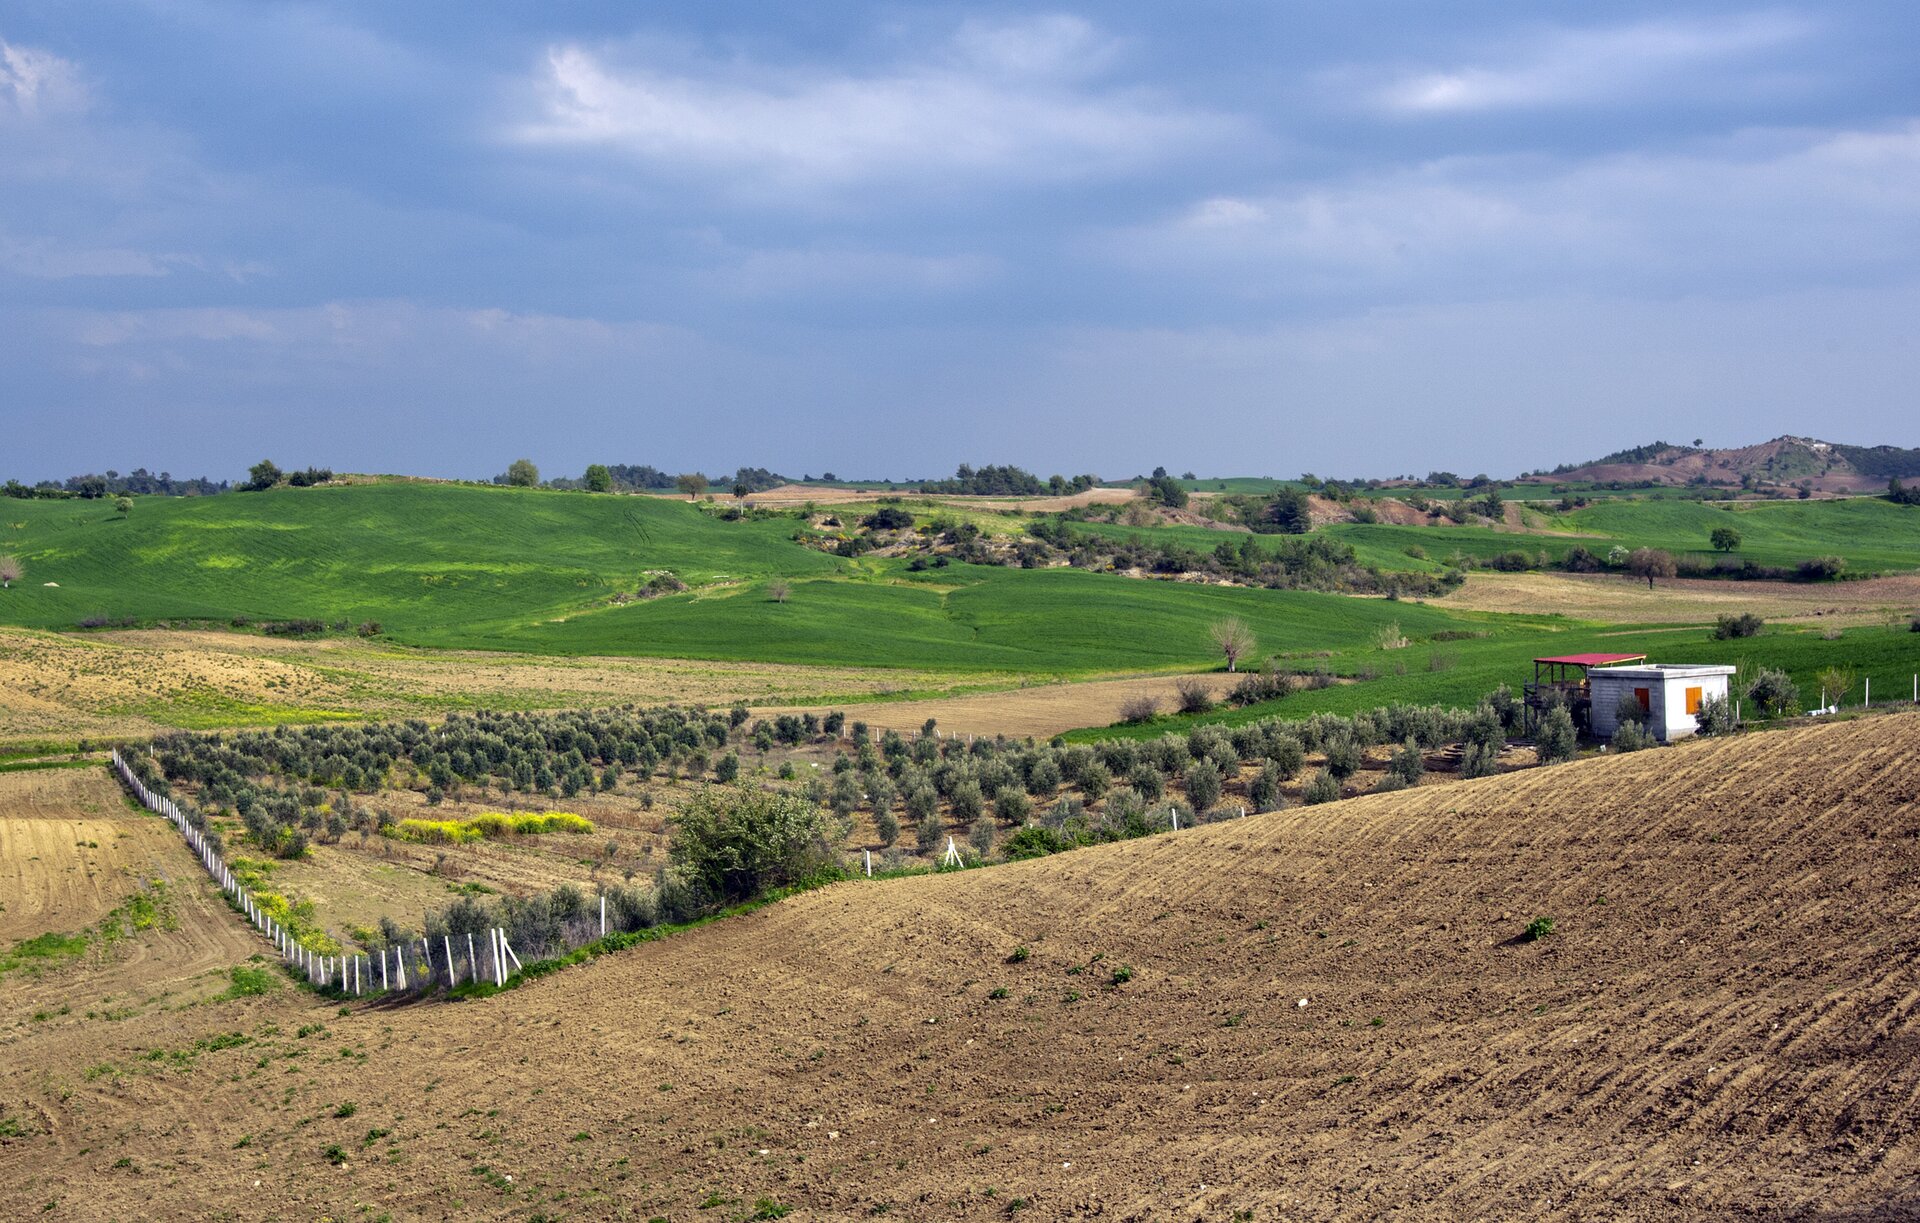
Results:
x,y
998,993
1073,995
767,1208
582,1136
716,1198
1020,955
246,983
311,1029
1121,976
1537,929
347,1109
373,1136
10,1127
335,1155
1234,1020
1378,1021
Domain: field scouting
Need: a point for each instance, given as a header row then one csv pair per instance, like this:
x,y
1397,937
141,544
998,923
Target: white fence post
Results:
x,y
603,915
473,961
869,857
453,974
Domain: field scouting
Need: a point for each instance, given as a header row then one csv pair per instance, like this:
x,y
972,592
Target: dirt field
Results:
x,y
70,852
63,686
1041,711
1325,1013
1619,600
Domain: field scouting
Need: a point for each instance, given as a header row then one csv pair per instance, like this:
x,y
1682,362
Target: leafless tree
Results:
x,y
779,592
1651,563
10,571
1234,638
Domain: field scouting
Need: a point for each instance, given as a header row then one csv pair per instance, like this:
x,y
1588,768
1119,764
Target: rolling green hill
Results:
x,y
462,566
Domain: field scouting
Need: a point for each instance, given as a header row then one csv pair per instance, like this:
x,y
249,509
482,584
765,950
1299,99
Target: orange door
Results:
x,y
1693,700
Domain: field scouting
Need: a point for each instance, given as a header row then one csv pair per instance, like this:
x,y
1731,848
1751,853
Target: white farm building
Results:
x,y
1671,693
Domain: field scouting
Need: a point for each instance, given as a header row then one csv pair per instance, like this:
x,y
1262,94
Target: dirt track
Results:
x,y
1725,1021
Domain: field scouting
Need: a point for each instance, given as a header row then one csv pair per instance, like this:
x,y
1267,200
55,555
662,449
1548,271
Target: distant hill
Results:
x,y
1824,466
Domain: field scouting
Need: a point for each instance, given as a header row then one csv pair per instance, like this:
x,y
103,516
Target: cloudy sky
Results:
x,y
1243,238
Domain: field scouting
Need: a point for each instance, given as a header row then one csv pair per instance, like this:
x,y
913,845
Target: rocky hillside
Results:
x,y
1784,461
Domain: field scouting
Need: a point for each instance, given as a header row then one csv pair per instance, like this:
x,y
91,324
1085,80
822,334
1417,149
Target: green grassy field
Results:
x,y
535,571
421,559
1047,621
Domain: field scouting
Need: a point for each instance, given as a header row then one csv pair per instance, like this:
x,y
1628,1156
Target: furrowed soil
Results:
x,y
1318,1013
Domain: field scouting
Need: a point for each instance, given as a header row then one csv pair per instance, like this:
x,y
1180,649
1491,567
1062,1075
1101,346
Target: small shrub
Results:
x,y
1773,694
1631,736
1137,709
1322,789
1121,975
1537,929
1019,955
1821,568
1556,740
1193,696
1716,716
1746,624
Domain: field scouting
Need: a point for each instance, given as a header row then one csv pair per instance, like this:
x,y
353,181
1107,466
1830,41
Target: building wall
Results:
x,y
1666,705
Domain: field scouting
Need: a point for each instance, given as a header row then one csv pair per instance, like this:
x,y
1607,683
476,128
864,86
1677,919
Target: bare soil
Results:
x,y
1040,711
63,686
1325,1013
1622,600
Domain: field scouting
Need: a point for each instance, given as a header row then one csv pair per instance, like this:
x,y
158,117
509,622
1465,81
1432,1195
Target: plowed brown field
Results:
x,y
1327,1015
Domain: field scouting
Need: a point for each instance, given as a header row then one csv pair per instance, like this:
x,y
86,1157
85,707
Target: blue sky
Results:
x,y
883,239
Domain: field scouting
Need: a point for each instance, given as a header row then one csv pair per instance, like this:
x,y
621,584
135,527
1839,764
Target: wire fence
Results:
x,y
418,965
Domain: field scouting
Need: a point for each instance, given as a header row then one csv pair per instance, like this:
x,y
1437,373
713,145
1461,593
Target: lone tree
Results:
x,y
123,506
521,473
1234,639
779,591
1725,539
1651,563
10,571
599,479
691,483
262,476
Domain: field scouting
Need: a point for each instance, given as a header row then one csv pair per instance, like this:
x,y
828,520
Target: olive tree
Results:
x,y
123,506
691,483
1233,638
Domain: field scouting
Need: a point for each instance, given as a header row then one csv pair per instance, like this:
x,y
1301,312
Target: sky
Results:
x,y
880,239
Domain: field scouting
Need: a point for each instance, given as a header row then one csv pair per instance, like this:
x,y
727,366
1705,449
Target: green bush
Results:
x,y
1556,740
732,844
1773,694
1322,789
1343,758
1716,716
1203,784
1537,929
1746,624
1631,737
1407,765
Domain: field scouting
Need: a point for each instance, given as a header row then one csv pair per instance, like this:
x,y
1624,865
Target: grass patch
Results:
x,y
487,826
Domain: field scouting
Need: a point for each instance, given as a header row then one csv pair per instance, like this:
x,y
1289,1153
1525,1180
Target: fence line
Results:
x,y
350,974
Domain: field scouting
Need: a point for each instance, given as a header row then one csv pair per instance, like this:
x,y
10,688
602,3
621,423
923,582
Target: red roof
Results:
x,y
1593,660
